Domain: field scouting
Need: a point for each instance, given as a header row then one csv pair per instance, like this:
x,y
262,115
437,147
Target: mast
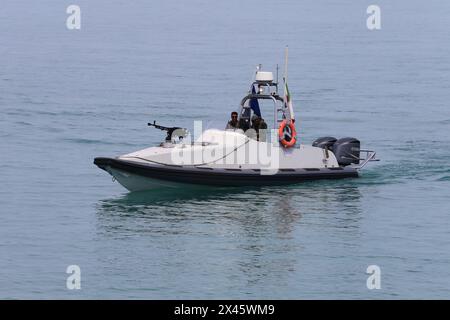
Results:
x,y
287,96
285,64
277,78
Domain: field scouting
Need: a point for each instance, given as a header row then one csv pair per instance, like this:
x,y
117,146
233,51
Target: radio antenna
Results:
x,y
277,77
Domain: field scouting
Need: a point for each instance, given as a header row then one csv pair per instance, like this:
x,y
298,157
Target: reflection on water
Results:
x,y
250,236
251,208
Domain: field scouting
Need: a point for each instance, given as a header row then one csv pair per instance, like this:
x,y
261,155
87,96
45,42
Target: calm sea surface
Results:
x,y
69,96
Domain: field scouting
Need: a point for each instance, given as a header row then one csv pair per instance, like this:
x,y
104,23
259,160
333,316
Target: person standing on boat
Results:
x,y
258,124
233,124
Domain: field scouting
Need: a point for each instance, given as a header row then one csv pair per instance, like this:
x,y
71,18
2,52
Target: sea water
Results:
x,y
67,96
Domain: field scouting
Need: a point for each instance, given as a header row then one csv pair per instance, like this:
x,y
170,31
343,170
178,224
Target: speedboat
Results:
x,y
244,155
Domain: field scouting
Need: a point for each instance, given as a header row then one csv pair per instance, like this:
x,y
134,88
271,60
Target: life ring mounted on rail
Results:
x,y
287,134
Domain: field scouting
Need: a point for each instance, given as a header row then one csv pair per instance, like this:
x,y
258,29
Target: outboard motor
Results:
x,y
346,151
325,143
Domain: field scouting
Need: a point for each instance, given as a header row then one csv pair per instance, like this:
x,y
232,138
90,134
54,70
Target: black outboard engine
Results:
x,y
325,143
346,151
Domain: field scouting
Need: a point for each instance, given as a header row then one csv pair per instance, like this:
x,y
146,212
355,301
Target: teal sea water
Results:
x,y
69,96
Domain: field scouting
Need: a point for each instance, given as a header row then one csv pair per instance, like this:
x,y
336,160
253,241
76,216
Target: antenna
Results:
x,y
285,63
258,67
277,78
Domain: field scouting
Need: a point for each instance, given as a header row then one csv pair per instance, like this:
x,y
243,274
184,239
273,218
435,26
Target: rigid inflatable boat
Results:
x,y
240,156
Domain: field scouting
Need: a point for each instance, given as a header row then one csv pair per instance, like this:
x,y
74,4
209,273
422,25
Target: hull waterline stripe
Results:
x,y
193,175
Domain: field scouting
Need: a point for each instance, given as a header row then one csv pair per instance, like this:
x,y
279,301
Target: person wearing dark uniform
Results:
x,y
233,124
258,124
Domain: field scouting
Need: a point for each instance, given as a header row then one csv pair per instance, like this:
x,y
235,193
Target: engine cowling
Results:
x,y
347,151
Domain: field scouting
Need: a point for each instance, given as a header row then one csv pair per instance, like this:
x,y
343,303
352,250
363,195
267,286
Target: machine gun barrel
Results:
x,y
157,126
169,130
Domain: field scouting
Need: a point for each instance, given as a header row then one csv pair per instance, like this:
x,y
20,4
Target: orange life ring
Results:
x,y
283,129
